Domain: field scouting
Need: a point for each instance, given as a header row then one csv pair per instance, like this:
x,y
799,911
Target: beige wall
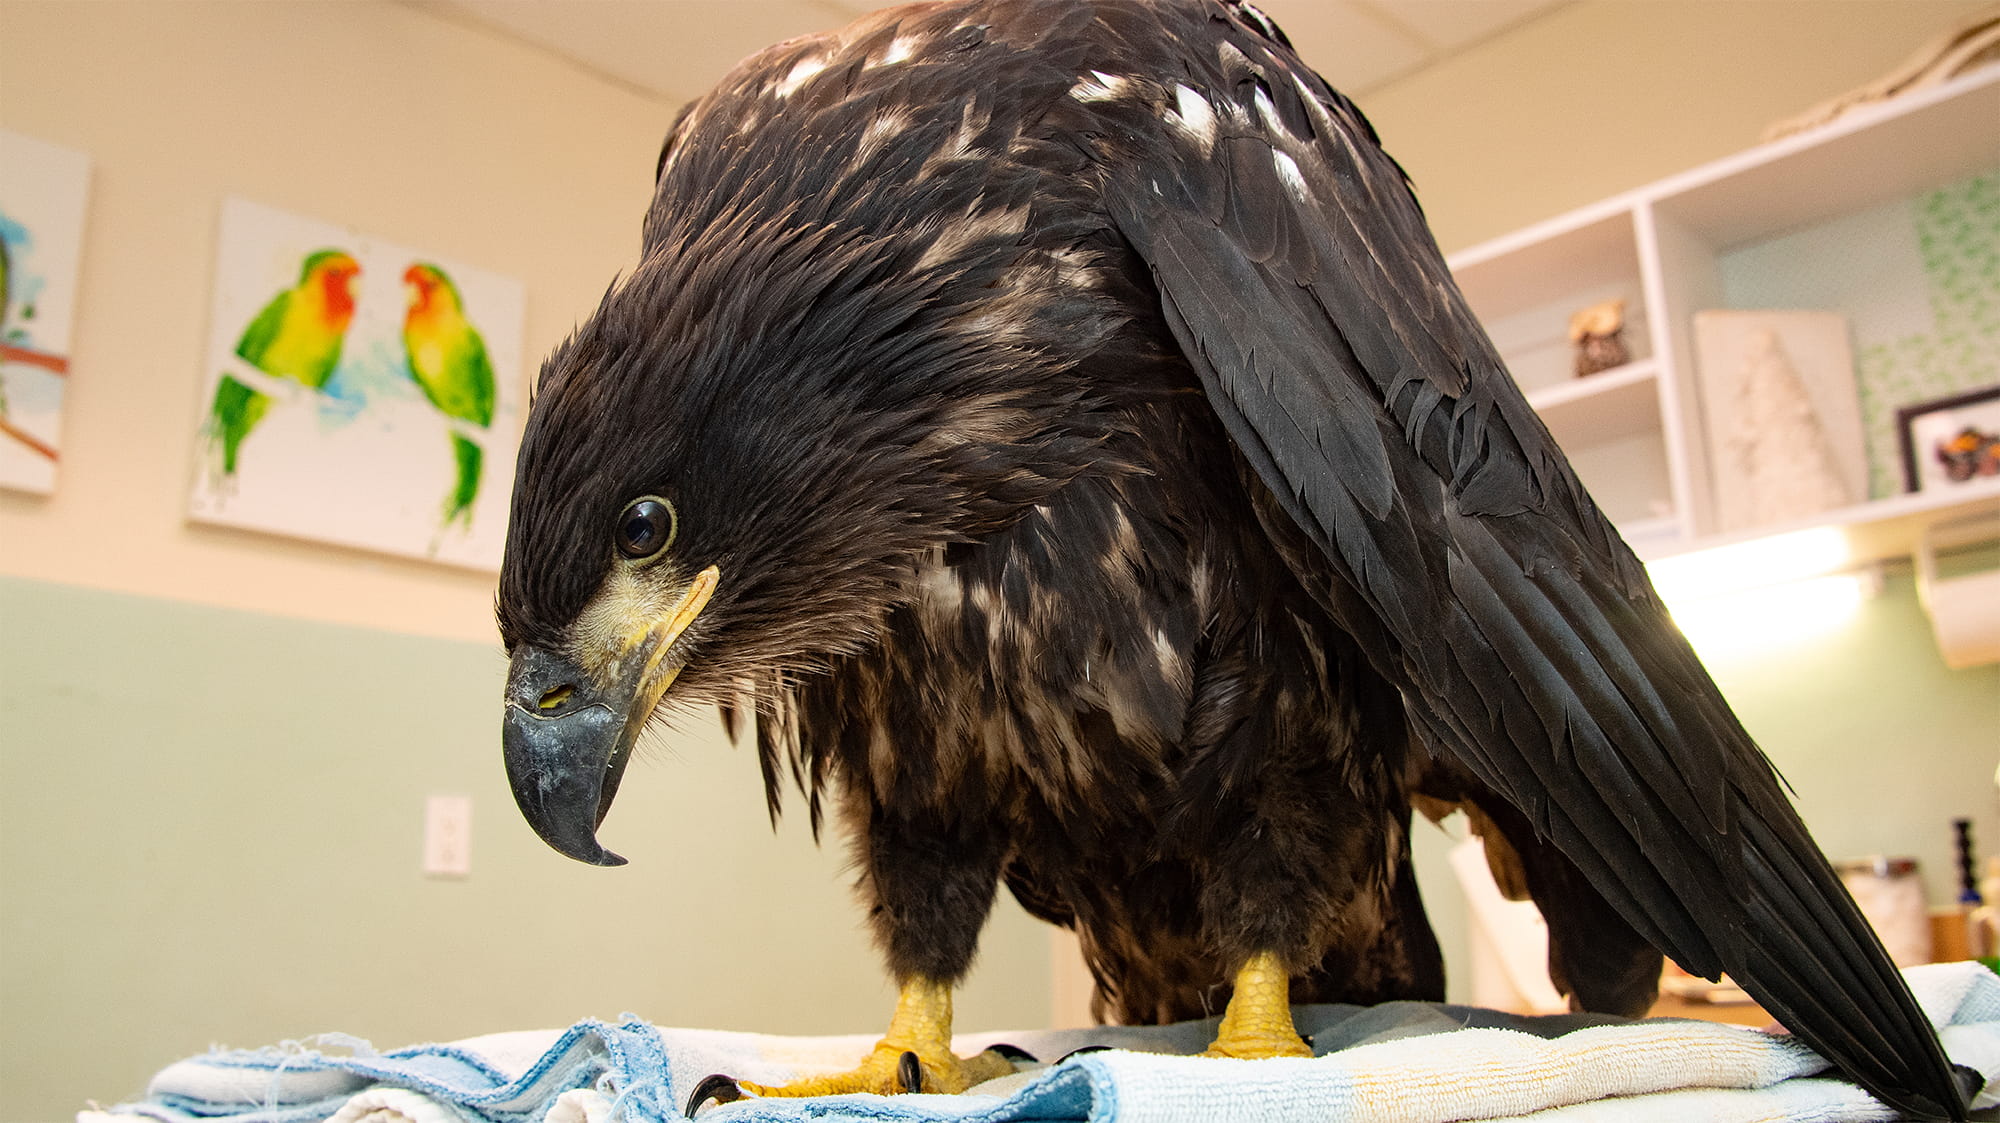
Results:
x,y
374,115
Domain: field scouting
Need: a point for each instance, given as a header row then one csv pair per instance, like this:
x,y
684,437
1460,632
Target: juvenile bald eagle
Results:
x,y
1056,415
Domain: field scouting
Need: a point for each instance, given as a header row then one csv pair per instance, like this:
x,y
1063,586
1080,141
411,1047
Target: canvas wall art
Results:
x,y
357,391
42,197
1783,417
1951,442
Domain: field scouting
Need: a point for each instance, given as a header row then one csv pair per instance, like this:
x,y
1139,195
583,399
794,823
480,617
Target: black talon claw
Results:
x,y
1013,1053
910,1072
722,1089
1085,1049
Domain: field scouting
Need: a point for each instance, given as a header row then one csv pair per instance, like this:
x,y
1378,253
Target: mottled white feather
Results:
x,y
801,72
1099,86
1194,116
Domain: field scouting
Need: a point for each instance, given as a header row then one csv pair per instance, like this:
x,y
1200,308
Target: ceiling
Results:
x,y
676,49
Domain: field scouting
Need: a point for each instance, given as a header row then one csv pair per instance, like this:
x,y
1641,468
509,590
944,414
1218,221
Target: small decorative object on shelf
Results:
x,y
1950,441
1968,889
1598,333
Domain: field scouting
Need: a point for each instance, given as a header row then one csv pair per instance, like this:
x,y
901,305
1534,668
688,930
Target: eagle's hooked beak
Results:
x,y
569,732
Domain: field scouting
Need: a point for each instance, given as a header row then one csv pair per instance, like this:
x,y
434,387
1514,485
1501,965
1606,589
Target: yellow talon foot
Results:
x,y
1258,1021
891,1069
914,1056
1257,1046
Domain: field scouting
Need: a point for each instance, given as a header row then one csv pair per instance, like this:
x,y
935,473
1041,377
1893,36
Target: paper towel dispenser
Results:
x,y
1961,597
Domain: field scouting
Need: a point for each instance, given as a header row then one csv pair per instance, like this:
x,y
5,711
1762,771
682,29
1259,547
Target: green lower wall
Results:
x,y
1882,743
210,833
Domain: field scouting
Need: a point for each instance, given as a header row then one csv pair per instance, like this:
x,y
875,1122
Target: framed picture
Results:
x,y
42,190
358,391
1951,441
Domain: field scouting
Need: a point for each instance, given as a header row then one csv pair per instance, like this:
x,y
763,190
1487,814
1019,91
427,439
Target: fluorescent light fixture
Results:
x,y
1685,578
1757,596
1746,622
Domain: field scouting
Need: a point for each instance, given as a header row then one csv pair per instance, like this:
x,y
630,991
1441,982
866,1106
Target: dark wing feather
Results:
x,y
1334,345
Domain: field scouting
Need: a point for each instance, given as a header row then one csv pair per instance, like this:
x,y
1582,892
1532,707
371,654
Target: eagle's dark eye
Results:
x,y
645,528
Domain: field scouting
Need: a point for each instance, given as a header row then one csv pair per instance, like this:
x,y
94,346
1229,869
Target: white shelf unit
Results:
x,y
1634,432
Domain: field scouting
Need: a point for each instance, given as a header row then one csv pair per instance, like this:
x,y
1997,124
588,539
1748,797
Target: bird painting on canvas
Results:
x,y
297,336
447,359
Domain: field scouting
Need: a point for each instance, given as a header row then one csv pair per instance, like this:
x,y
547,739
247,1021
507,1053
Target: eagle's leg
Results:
x,y
921,1028
930,875
1258,1020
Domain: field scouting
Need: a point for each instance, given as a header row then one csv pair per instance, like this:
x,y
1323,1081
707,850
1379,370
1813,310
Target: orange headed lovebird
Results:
x,y
448,360
298,336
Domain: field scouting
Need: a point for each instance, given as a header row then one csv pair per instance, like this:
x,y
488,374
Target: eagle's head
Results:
x,y
826,368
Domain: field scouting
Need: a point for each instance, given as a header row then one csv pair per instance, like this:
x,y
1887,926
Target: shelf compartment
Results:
x,y
1525,289
1547,262
1628,478
1610,427
1810,178
1609,405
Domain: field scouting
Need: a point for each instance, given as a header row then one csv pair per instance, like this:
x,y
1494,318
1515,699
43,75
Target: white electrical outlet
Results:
x,y
448,836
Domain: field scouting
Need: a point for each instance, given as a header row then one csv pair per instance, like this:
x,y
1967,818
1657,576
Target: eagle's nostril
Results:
x,y
555,697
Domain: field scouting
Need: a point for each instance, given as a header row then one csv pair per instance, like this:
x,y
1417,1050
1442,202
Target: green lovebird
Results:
x,y
298,336
448,360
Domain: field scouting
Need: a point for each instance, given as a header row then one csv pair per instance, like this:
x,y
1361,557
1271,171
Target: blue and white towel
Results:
x,y
1404,1061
